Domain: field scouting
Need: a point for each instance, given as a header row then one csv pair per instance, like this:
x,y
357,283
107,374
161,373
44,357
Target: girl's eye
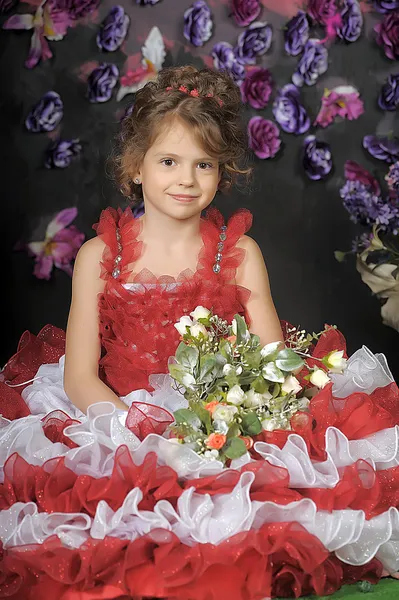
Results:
x,y
168,162
205,165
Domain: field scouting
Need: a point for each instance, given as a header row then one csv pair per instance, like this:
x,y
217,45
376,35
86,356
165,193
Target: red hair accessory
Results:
x,y
195,93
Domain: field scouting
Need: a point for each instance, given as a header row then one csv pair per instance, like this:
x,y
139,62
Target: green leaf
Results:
x,y
202,414
233,431
260,385
207,365
340,256
177,372
242,330
288,360
253,359
272,373
270,351
225,349
185,415
251,424
234,448
187,356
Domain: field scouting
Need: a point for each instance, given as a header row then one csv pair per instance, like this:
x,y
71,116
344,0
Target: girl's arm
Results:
x,y
81,382
252,274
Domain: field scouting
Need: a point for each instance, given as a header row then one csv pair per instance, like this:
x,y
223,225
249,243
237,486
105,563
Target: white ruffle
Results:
x,y
201,518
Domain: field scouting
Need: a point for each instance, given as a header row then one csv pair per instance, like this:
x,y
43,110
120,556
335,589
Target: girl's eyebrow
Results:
x,y
208,158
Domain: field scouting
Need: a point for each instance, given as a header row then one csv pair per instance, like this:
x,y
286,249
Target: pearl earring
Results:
x,y
137,180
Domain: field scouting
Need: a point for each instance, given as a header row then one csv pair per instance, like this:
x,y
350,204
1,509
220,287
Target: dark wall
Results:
x,y
298,223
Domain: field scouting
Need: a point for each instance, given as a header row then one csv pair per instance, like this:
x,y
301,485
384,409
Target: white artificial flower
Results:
x,y
182,325
291,385
236,395
221,427
211,454
234,326
336,362
269,424
197,329
319,378
224,413
239,370
200,313
228,370
188,380
253,399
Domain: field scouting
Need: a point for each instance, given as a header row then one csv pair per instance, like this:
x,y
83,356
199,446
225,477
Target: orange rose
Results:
x,y
212,405
216,441
248,441
232,339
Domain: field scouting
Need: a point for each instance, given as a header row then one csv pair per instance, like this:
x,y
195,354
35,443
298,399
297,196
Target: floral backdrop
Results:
x,y
320,82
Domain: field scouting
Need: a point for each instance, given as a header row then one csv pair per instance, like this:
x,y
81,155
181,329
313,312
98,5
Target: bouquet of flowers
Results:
x,y
377,248
235,388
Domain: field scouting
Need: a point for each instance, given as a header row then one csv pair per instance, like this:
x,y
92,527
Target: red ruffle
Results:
x,y
280,559
55,488
137,325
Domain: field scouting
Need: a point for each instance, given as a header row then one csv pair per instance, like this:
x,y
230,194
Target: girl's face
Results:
x,y
179,178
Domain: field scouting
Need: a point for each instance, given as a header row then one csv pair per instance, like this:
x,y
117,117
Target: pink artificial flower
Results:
x,y
60,246
342,101
355,172
45,25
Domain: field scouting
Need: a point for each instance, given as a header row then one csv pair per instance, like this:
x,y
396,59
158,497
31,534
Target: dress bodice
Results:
x,y
138,312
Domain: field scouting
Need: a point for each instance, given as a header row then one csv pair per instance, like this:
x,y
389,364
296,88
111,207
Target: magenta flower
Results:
x,y
355,172
60,246
46,25
245,11
264,137
388,35
342,101
257,87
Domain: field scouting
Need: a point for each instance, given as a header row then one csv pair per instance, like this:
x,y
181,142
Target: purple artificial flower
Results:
x,y
355,172
253,42
245,11
101,82
198,23
224,59
389,94
7,5
388,35
296,34
113,29
361,242
392,178
312,64
264,137
61,153
60,246
46,114
76,9
138,209
386,6
352,21
147,2
257,87
289,112
366,207
317,158
321,10
382,148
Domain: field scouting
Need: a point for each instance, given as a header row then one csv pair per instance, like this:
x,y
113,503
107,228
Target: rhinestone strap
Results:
x,y
116,271
218,257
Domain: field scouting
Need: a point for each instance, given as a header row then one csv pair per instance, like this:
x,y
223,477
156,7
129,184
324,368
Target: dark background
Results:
x,y
298,223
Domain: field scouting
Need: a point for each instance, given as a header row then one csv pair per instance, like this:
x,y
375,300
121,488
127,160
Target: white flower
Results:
x,y
221,426
234,327
239,370
182,325
228,370
291,385
336,362
200,313
197,329
319,378
188,380
269,424
236,395
254,399
211,454
224,413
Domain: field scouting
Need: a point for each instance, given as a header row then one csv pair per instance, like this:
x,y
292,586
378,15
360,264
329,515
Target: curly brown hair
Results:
x,y
214,116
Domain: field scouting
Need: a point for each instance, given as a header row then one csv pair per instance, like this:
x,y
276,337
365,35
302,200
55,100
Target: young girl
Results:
x,y
90,511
